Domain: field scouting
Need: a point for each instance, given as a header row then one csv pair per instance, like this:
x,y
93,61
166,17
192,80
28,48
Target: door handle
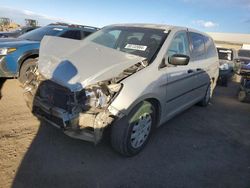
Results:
x,y
190,71
198,69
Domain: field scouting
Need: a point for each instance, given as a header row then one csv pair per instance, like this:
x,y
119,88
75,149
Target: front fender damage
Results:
x,y
91,126
84,125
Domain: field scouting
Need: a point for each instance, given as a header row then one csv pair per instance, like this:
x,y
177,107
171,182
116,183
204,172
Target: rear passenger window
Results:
x,y
179,45
72,34
198,46
85,33
210,47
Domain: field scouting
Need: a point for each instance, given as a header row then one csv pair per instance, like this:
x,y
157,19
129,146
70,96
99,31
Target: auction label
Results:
x,y
136,47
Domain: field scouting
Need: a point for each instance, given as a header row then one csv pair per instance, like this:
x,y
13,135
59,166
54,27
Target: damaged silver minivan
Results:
x,y
131,78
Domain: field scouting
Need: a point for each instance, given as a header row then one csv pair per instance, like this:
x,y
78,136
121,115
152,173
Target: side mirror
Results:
x,y
178,59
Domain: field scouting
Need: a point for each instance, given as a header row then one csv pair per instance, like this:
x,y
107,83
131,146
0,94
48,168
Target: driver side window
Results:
x,y
179,45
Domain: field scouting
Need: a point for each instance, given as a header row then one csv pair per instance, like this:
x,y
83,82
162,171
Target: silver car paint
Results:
x,y
151,82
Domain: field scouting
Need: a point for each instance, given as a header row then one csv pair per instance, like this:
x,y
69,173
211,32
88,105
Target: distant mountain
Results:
x,y
18,16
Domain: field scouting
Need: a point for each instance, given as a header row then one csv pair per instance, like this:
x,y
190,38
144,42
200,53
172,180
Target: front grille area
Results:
x,y
56,95
51,118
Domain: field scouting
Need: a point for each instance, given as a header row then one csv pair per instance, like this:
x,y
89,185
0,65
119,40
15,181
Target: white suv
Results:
x,y
131,77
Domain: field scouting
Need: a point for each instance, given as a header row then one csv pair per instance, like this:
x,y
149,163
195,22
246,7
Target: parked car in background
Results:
x,y
227,58
242,60
242,70
244,56
132,77
17,55
16,33
244,91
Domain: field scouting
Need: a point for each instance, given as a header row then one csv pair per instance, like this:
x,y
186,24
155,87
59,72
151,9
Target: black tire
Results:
x,y
242,96
205,101
122,129
27,66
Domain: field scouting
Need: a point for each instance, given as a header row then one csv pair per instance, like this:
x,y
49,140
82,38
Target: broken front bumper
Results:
x,y
88,126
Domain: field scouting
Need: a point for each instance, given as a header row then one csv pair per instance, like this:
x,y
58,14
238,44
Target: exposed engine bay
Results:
x,y
81,114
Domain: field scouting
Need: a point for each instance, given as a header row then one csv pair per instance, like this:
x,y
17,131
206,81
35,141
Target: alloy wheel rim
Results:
x,y
141,130
29,70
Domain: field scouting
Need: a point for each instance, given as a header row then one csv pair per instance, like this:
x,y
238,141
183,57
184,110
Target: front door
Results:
x,y
181,80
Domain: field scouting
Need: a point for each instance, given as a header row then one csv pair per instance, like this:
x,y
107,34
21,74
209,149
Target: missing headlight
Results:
x,y
100,96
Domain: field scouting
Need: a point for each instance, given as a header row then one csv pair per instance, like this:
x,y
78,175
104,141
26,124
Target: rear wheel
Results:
x,y
130,134
28,66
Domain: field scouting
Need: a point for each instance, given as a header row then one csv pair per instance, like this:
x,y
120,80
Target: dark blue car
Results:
x,y
16,33
17,55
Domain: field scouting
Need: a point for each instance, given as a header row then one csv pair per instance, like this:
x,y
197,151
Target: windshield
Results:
x,y
244,53
143,42
225,54
38,34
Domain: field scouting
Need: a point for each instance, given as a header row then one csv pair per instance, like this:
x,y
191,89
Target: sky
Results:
x,y
206,15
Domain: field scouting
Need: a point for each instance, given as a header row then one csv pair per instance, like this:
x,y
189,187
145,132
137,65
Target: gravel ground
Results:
x,y
202,147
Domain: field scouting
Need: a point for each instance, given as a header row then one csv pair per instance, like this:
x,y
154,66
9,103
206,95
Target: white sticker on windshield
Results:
x,y
136,47
57,29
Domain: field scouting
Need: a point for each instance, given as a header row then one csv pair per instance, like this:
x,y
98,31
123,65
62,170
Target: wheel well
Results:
x,y
213,80
157,106
29,57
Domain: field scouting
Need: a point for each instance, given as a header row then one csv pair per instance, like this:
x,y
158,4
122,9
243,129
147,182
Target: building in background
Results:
x,y
231,40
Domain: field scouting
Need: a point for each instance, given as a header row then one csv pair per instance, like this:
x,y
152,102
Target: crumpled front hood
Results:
x,y
77,64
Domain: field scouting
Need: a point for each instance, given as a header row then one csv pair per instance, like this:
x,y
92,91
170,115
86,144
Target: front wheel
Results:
x,y
28,66
130,134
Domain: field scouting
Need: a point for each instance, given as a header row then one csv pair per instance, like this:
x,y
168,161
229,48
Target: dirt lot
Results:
x,y
202,147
